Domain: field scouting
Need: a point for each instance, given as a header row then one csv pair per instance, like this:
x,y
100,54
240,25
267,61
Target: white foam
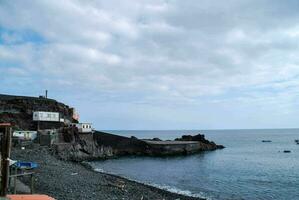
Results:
x,y
180,191
163,187
99,170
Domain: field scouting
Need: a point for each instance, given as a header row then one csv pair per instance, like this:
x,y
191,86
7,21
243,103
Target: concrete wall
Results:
x,y
165,149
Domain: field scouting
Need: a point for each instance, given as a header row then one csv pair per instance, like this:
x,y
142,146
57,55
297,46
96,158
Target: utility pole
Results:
x,y
5,133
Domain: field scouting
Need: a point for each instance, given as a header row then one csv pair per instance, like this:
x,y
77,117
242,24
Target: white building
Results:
x,y
25,135
46,116
83,127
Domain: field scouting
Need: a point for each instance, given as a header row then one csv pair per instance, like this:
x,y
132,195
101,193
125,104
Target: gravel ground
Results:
x,y
68,180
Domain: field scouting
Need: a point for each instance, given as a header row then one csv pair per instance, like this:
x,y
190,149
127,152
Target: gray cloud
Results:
x,y
150,52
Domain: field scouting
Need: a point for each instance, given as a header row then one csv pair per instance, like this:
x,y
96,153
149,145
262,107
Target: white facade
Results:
x,y
84,127
25,135
46,116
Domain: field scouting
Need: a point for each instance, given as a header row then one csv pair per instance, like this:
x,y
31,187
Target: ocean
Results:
x,y
246,169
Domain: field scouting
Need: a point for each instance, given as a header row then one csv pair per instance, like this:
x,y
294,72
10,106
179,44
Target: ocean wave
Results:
x,y
99,170
168,188
180,191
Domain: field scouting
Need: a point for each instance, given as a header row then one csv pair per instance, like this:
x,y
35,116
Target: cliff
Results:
x,y
99,145
18,110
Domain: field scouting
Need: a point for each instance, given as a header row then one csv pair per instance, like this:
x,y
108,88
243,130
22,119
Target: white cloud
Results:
x,y
155,51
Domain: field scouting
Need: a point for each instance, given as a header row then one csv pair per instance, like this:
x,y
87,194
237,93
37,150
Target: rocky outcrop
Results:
x,y
206,144
97,145
101,145
18,110
82,152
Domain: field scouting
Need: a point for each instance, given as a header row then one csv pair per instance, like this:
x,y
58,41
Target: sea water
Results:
x,y
246,169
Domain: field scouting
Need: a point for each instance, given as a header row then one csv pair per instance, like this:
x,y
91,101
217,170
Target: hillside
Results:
x,y
18,110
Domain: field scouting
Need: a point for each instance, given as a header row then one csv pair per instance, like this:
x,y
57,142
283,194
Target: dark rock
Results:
x,y
198,137
220,146
156,139
207,145
18,111
101,145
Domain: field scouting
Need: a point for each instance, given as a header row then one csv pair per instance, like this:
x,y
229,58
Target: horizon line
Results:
x,y
196,129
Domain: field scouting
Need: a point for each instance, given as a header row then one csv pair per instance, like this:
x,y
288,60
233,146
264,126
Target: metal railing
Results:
x,y
15,176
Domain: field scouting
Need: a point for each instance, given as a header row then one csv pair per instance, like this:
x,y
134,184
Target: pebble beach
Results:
x,y
65,180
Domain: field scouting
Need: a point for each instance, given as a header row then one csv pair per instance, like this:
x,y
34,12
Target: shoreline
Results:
x,y
66,180
154,186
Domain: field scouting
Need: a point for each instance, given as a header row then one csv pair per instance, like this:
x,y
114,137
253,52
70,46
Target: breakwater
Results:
x,y
101,145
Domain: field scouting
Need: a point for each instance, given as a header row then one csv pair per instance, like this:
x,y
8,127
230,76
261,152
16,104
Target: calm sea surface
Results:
x,y
245,169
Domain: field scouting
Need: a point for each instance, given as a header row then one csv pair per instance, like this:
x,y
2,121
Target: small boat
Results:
x,y
25,165
297,141
266,141
286,151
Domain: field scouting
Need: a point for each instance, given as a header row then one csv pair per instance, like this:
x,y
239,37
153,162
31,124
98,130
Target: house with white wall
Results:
x,y
46,116
83,127
25,135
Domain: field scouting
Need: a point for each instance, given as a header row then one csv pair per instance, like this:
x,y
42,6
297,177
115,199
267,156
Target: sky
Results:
x,y
157,64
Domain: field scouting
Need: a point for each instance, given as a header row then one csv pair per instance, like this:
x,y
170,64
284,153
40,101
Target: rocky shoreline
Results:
x,y
66,180
101,145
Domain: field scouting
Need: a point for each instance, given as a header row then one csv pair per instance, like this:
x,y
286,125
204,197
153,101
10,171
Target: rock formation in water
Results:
x,y
200,138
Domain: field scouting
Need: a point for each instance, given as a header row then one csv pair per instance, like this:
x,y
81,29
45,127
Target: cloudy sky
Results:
x,y
197,64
